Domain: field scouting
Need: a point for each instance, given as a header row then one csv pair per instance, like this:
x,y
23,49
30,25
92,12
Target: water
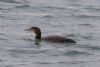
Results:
x,y
76,19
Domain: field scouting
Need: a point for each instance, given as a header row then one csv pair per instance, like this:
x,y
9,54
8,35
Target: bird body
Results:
x,y
58,39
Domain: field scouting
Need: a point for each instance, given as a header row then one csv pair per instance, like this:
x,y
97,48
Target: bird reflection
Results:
x,y
37,43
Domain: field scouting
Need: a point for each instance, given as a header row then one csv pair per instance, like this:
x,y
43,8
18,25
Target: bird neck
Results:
x,y
38,37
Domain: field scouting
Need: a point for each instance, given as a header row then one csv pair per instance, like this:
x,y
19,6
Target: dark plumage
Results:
x,y
55,39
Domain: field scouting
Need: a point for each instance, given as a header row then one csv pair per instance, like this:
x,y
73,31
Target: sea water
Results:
x,y
75,19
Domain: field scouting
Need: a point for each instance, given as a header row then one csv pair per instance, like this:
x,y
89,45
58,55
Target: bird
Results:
x,y
53,39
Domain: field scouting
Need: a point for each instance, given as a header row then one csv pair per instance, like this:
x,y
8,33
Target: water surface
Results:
x,y
76,19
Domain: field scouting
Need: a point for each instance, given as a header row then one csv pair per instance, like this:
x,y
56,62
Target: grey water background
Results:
x,y
76,19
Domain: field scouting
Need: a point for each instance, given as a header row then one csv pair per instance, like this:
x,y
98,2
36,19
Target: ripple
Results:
x,y
1,60
71,35
92,8
52,7
48,16
88,37
44,62
17,51
95,48
4,39
2,34
28,51
90,47
60,62
76,53
28,39
87,16
23,6
2,26
9,66
9,1
86,24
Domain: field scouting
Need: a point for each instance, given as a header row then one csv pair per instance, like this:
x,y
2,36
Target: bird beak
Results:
x,y
27,29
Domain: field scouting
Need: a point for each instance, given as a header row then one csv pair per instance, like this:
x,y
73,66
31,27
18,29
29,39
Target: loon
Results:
x,y
53,39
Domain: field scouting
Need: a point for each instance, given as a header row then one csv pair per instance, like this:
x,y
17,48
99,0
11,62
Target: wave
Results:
x,y
9,1
87,16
